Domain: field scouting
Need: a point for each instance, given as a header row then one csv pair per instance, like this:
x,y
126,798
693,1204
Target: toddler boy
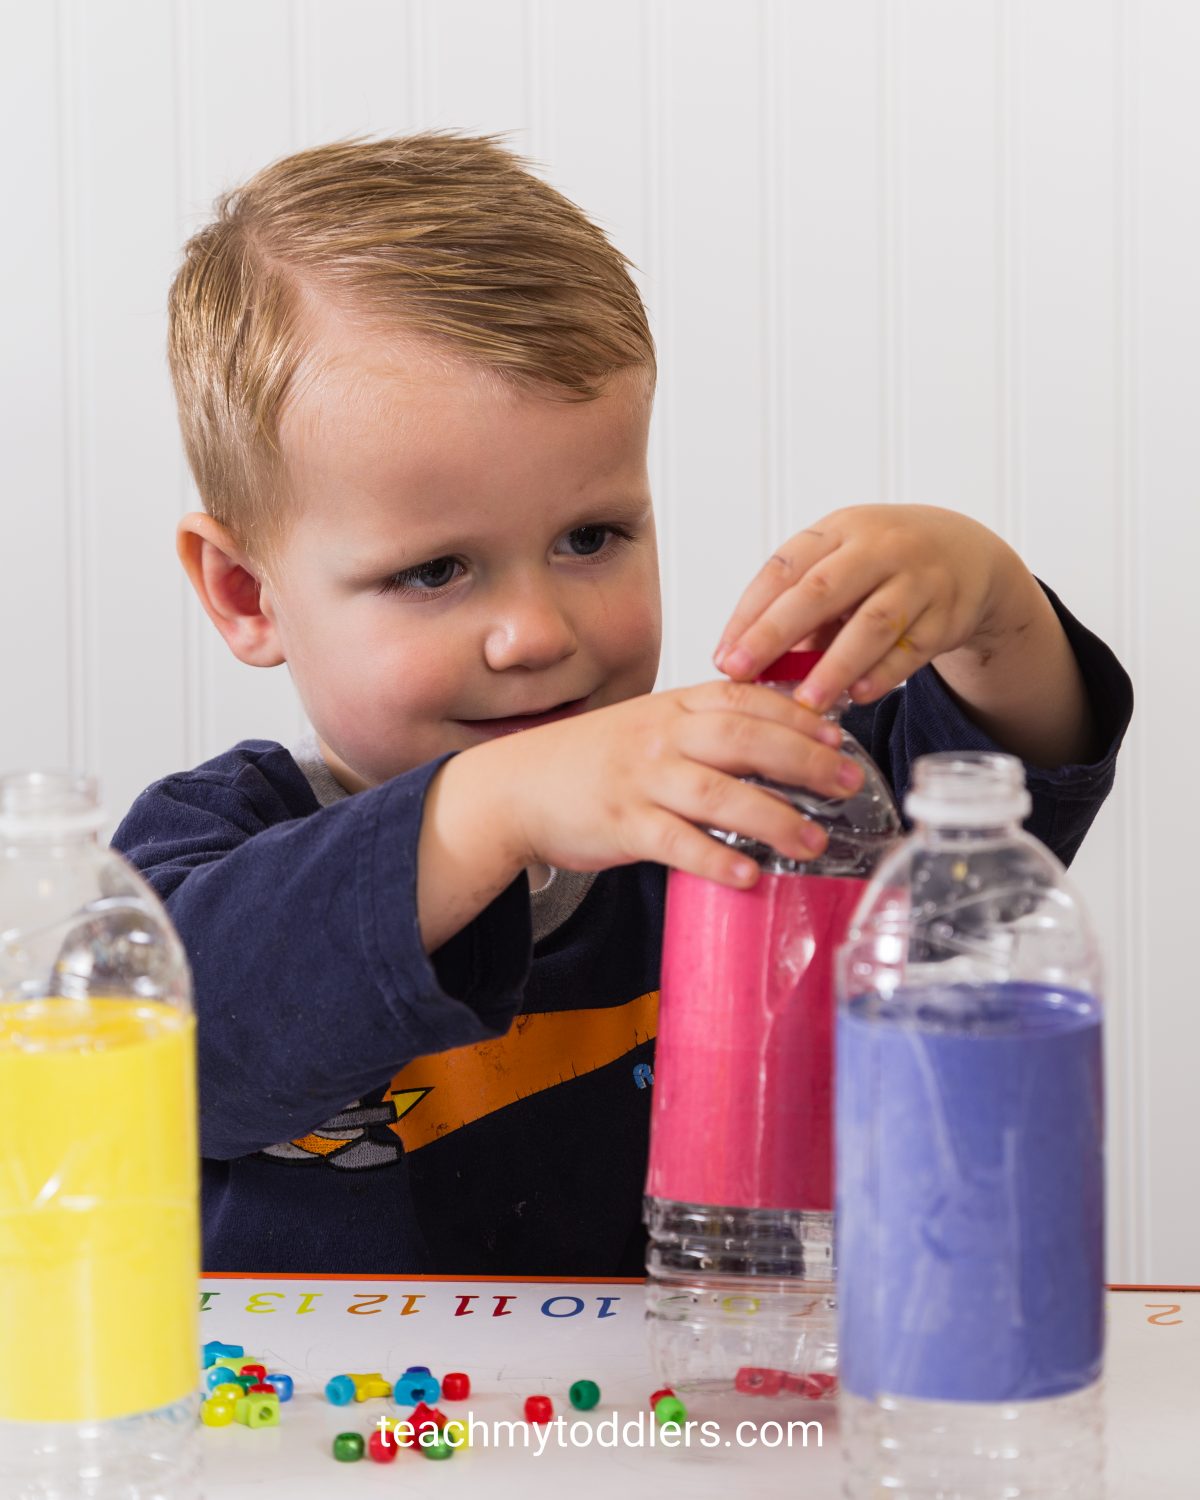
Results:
x,y
415,384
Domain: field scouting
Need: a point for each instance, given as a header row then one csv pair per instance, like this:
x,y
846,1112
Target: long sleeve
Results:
x,y
922,718
311,984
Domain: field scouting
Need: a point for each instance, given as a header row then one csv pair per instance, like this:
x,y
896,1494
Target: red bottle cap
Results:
x,y
792,666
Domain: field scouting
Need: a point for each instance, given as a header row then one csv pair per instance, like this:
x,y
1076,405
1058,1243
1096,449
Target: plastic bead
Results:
x,y
426,1416
258,1371
283,1386
658,1395
234,1362
584,1394
261,1387
413,1387
366,1386
245,1381
670,1411
754,1380
348,1447
812,1387
217,1375
437,1450
215,1350
456,1386
340,1390
417,1370
228,1390
538,1409
258,1411
382,1448
456,1433
216,1413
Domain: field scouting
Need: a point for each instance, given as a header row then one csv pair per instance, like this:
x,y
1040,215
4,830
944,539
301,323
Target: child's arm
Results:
x,y
634,781
903,585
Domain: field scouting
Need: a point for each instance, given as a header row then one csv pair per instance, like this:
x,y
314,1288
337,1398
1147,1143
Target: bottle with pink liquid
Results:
x,y
739,1194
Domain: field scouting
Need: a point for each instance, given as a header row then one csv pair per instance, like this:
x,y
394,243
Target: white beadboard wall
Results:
x,y
902,250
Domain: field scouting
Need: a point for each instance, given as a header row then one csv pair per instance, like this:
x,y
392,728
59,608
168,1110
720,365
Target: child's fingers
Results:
x,y
834,586
670,840
879,629
918,644
754,701
710,799
742,746
781,570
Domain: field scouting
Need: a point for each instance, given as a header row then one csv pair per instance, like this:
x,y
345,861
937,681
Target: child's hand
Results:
x,y
642,779
883,588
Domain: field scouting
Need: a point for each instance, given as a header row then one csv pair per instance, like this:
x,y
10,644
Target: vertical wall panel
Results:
x,y
1063,398
716,533
1164,464
129,449
244,113
945,122
36,601
360,68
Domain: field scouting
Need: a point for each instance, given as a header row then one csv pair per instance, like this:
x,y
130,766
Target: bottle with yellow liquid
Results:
x,y
99,1223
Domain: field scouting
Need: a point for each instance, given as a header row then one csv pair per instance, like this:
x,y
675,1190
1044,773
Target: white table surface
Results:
x,y
313,1327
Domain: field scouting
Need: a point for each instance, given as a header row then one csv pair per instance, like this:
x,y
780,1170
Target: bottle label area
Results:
x,y
970,1235
744,1058
99,1236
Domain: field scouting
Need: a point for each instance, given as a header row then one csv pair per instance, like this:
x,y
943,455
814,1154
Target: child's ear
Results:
x,y
228,587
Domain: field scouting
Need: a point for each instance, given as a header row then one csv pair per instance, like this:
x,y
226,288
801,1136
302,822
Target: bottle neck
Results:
x,y
956,833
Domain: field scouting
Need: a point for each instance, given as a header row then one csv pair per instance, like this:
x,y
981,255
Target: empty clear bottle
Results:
x,y
739,1194
970,1158
99,1239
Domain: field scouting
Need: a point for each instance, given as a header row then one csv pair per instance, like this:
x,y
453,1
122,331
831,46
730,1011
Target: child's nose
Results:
x,y
530,629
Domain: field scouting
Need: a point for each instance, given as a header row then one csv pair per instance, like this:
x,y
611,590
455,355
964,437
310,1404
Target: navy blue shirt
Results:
x,y
367,1108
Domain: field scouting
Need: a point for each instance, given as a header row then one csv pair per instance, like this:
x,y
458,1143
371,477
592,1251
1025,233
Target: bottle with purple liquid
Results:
x,y
970,1158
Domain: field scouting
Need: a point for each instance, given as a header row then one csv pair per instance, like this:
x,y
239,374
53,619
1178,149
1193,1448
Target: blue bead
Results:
x,y
340,1390
413,1388
215,1350
283,1386
217,1375
417,1370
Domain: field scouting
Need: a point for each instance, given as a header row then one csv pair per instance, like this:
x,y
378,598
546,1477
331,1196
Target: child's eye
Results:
x,y
425,578
586,541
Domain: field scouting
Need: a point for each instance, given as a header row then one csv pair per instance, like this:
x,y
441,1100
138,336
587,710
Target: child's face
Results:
x,y
503,511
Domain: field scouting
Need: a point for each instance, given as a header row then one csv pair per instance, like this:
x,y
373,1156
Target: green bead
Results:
x,y
440,1449
348,1447
216,1413
246,1381
670,1410
584,1394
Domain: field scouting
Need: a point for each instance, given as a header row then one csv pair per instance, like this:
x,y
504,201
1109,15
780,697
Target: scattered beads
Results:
x,y
217,1413
670,1411
584,1395
457,1434
215,1350
348,1447
752,1380
340,1391
258,1411
415,1386
658,1395
456,1386
283,1386
382,1448
538,1409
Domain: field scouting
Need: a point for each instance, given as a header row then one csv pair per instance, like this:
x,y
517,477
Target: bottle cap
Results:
x,y
968,789
48,804
792,666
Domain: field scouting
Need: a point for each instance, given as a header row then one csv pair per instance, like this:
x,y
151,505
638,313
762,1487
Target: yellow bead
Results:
x,y
216,1413
457,1434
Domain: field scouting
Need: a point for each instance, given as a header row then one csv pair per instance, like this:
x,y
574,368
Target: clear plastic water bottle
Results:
x,y
99,1224
970,1147
739,1193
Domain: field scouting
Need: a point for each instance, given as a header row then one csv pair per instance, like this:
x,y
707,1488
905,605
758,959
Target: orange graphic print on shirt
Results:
x,y
432,1096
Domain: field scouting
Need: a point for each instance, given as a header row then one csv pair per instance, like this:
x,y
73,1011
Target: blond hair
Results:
x,y
446,237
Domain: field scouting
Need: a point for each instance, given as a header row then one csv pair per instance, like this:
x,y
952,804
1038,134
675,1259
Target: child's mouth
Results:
x,y
515,722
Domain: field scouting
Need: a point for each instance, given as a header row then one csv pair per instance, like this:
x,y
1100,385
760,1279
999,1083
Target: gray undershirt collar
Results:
x,y
549,907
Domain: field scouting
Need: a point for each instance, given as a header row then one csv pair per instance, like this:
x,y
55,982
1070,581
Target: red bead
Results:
x,y
658,1395
426,1416
456,1386
261,1386
754,1380
538,1409
811,1387
382,1447
258,1371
